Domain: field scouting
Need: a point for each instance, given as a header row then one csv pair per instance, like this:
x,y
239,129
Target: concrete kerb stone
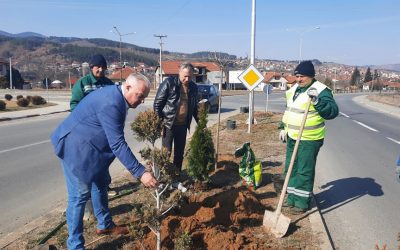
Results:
x,y
318,226
14,115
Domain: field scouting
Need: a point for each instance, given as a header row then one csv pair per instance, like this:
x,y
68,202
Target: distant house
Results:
x,y
123,73
214,77
391,85
385,85
365,86
291,80
279,81
233,80
171,68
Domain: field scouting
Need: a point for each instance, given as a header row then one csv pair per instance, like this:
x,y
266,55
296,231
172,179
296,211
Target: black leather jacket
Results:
x,y
167,100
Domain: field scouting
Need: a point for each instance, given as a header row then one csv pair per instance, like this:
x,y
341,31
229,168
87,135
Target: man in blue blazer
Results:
x,y
87,141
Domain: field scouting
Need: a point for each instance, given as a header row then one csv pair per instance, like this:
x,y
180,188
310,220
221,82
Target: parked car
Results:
x,y
210,94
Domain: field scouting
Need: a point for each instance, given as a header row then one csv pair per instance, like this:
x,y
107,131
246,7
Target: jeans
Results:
x,y
78,194
177,135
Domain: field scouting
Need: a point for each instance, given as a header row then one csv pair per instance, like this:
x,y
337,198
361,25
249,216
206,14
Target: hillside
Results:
x,y
37,56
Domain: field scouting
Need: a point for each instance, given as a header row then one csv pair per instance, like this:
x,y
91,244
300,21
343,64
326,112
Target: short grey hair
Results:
x,y
134,77
186,65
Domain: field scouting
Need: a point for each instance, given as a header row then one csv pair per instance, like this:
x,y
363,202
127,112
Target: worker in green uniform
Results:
x,y
94,80
323,107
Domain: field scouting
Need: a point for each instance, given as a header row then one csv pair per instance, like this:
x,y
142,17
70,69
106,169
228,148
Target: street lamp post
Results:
x,y
11,82
120,48
160,70
334,82
301,41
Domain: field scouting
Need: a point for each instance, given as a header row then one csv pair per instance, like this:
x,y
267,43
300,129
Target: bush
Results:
x,y
8,97
38,100
19,96
201,151
147,126
2,105
23,102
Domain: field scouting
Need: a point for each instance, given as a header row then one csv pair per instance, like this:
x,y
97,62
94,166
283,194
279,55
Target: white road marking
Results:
x,y
365,126
25,146
344,115
393,140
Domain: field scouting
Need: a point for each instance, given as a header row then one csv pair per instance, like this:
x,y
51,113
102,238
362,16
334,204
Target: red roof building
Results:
x,y
171,68
119,74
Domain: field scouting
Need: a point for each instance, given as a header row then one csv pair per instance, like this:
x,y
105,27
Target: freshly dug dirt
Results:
x,y
225,214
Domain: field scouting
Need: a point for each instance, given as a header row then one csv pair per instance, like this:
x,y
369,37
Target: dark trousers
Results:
x,y
301,182
177,136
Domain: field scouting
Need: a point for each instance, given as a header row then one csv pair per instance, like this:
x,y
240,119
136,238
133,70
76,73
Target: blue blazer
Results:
x,y
93,134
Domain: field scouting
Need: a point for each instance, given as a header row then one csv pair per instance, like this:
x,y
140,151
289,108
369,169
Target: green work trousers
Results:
x,y
301,180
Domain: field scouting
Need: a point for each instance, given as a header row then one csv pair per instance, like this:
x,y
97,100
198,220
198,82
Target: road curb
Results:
x,y
377,106
30,116
318,226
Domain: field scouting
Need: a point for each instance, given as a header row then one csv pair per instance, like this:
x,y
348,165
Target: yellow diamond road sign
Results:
x,y
251,77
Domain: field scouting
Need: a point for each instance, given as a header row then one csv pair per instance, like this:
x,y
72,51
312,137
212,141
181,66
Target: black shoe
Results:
x,y
297,211
278,181
285,204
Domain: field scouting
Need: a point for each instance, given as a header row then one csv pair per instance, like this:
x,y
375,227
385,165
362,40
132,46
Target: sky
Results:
x,y
352,32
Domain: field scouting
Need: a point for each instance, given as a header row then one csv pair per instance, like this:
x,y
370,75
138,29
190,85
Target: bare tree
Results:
x,y
222,61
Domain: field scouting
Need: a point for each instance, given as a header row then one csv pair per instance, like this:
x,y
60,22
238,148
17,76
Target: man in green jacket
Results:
x,y
94,80
323,107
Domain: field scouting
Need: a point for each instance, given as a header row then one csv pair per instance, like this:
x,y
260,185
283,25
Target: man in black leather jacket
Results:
x,y
176,103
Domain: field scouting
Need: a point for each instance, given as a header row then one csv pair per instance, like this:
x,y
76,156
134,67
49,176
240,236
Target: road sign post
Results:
x,y
251,77
267,90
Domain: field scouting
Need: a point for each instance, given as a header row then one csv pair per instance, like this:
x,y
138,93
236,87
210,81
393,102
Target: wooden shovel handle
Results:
x,y
296,147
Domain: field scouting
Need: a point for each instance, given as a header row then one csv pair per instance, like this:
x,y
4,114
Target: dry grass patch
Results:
x,y
390,99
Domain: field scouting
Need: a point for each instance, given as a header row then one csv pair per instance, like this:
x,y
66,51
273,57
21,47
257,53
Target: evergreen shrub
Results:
x,y
23,102
38,100
201,154
3,105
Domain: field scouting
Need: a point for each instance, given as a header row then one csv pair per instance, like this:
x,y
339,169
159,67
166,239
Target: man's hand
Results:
x,y
313,93
282,135
148,180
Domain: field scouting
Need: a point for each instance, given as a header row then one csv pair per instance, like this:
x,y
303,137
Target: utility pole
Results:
x,y
11,83
334,82
120,48
160,69
47,90
69,79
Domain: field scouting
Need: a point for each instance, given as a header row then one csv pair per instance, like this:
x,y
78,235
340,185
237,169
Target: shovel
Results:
x,y
276,222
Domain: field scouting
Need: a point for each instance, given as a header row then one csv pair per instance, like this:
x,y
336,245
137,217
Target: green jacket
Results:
x,y
84,86
326,106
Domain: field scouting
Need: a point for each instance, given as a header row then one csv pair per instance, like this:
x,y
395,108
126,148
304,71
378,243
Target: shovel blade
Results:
x,y
276,223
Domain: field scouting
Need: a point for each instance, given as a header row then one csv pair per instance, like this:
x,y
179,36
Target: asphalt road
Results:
x,y
355,185
31,179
